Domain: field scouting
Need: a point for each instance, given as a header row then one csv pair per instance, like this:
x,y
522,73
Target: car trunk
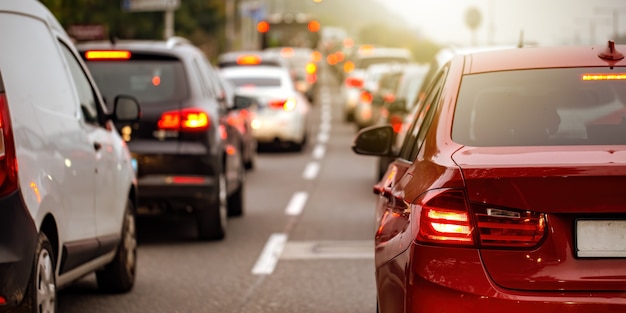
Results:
x,y
581,190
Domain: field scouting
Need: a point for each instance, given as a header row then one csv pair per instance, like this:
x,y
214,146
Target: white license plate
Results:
x,y
601,238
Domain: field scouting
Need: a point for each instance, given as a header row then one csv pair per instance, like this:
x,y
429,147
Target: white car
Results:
x,y
67,185
282,113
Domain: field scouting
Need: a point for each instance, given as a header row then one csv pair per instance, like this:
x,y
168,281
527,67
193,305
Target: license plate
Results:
x,y
601,238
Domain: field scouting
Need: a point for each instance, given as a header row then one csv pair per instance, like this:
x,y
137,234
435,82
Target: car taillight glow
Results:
x,y
249,60
8,161
287,105
503,227
354,82
184,120
263,27
3,301
389,98
287,52
444,218
366,97
604,76
396,123
311,68
107,55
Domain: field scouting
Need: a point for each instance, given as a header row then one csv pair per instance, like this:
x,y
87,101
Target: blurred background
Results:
x,y
423,26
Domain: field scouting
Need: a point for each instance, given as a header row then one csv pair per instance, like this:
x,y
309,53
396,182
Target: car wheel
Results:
x,y
211,218
41,292
119,275
236,199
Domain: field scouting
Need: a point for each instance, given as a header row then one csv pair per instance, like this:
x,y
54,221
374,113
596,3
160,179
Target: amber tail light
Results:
x,y
190,120
8,161
287,105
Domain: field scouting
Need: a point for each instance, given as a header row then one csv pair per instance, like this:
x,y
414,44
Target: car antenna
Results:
x,y
520,43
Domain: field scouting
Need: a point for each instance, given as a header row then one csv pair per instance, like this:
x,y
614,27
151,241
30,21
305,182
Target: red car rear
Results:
x,y
509,192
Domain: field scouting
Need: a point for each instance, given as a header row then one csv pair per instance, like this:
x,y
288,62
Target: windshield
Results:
x,y
579,106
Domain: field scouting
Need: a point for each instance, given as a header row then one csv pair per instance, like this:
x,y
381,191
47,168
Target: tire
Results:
x,y
41,296
119,275
211,218
236,199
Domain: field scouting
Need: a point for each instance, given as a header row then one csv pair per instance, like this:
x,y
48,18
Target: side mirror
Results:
x,y
398,106
374,140
243,102
126,109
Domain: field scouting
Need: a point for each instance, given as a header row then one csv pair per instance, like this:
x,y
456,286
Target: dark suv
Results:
x,y
188,156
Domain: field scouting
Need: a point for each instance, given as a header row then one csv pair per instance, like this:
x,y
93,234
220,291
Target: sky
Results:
x,y
545,22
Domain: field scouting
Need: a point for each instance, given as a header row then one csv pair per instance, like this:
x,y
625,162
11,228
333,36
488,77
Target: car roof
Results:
x,y
539,57
34,9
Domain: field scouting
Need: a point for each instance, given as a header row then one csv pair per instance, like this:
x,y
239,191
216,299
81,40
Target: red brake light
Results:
x,y
263,27
366,97
8,161
107,55
354,82
287,105
503,227
314,26
184,120
389,98
444,218
311,68
396,123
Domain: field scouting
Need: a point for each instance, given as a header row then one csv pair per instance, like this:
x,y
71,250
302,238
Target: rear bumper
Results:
x,y
429,279
283,130
18,241
177,187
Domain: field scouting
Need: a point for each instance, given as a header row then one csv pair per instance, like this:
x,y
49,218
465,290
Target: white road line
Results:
x,y
296,204
311,170
319,151
324,126
271,253
322,137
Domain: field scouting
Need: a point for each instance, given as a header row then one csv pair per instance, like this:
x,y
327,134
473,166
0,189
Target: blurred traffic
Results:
x,y
199,156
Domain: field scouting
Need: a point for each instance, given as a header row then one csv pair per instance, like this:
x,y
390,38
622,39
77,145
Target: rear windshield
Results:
x,y
582,106
255,82
148,80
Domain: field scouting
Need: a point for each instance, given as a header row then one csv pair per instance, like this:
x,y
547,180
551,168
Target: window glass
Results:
x,y
86,95
572,106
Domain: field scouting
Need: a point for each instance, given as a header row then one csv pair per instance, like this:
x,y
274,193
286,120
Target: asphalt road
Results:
x,y
304,244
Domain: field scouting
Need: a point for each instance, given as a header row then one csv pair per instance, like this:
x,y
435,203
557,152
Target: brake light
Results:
x,y
604,76
348,67
3,301
263,27
396,123
249,60
287,105
316,56
311,68
354,82
366,97
287,52
184,120
504,227
444,218
314,26
389,98
8,161
107,55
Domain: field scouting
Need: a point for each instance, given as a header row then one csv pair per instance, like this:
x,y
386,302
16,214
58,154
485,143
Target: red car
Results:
x,y
509,192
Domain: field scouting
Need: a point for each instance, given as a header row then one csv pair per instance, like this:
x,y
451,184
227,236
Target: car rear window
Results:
x,y
569,106
151,81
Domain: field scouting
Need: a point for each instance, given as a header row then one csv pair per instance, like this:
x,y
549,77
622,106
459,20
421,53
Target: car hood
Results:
x,y
567,184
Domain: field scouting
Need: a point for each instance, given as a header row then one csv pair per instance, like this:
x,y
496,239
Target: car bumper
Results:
x,y
453,280
282,130
18,241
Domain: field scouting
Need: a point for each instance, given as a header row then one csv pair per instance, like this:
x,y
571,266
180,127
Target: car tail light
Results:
x,y
314,26
348,67
287,105
3,301
444,218
396,122
8,161
354,82
504,227
389,98
249,60
311,68
287,52
263,27
184,120
366,97
107,55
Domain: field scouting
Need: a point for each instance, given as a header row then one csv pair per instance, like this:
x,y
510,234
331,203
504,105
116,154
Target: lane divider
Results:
x,y
271,253
296,204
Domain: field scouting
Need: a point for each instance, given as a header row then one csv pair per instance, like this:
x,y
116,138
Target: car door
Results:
x,y
108,200
393,208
